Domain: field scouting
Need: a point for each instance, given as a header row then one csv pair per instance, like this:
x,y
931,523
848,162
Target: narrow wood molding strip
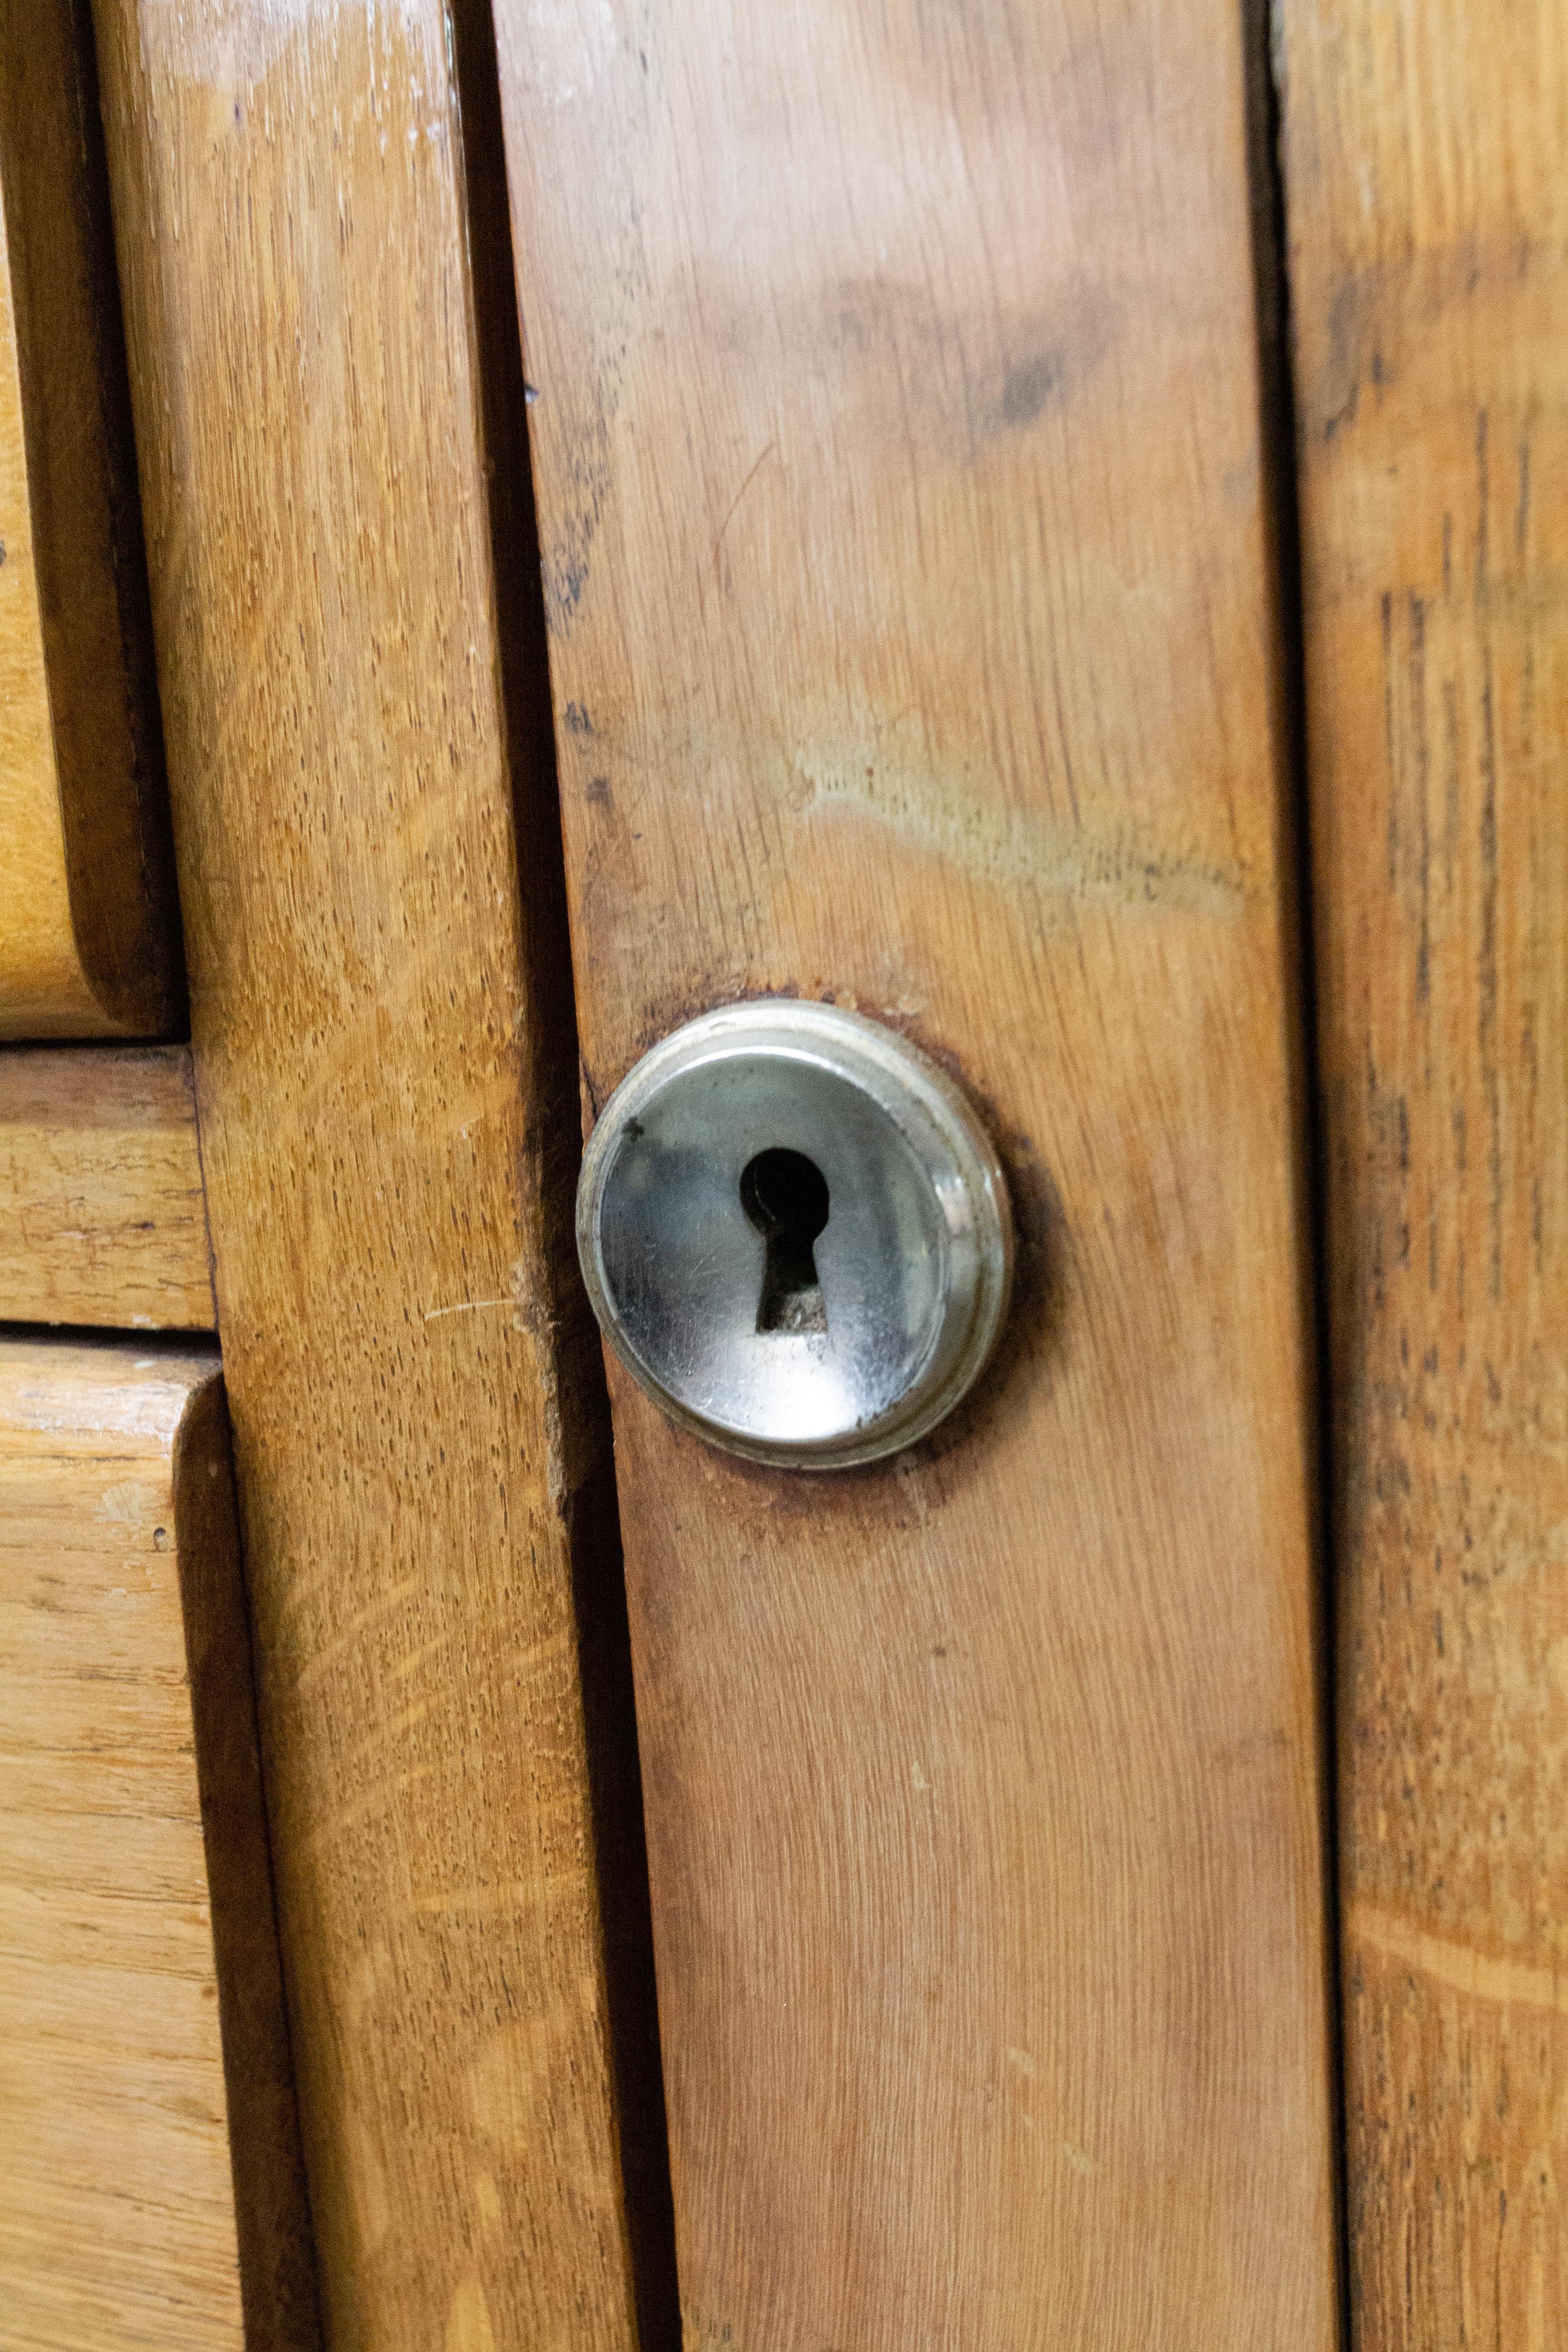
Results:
x,y
151,2190
89,929
1424,154
387,1095
896,444
102,1218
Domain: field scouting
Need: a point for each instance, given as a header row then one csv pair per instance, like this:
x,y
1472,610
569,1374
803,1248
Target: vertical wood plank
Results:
x,y
1423,168
386,1088
152,2192
896,438
89,930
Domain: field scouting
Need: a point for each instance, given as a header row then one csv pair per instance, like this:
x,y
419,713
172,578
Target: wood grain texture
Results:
x,y
1430,280
141,2027
897,445
382,1033
89,928
102,1219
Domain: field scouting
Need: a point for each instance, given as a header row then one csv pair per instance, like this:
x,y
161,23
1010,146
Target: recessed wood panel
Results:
x,y
1429,285
381,1017
89,930
102,1219
896,441
152,2192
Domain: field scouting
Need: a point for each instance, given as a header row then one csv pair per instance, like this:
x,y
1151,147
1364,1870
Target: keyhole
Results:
x,y
784,1194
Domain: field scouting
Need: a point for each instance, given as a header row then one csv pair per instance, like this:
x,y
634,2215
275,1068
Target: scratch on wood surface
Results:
x,y
1448,1962
512,1897
465,1307
771,451
1014,848
234,48
469,2329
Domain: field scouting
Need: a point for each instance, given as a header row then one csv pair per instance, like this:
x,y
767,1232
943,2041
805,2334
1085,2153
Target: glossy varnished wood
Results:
x,y
90,940
1423,150
383,1053
896,437
138,1954
102,1213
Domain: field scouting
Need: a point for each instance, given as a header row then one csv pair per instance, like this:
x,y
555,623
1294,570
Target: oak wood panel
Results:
x,y
1429,280
102,1218
382,1034
90,940
152,2192
897,442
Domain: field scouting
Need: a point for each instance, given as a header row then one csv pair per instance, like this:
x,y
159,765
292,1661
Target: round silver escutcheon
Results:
x,y
795,1234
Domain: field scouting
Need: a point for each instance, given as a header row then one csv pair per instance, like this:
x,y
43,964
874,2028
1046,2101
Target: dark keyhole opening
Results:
x,y
784,1194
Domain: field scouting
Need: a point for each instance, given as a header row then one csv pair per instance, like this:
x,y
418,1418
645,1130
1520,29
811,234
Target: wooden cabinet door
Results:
x,y
900,627
151,2189
861,581
896,434
90,934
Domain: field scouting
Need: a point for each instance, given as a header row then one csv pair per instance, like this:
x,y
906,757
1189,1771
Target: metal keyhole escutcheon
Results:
x,y
795,1234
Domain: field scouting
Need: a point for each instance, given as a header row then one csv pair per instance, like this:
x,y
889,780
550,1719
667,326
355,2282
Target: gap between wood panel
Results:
x,y
1277,407
598,1580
